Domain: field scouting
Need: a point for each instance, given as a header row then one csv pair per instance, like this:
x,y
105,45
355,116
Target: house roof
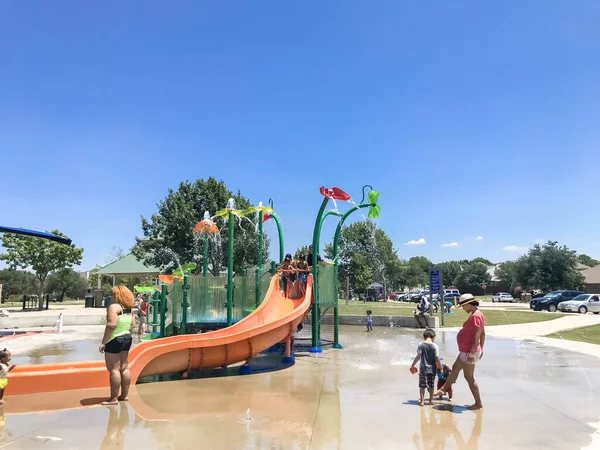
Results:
x,y
128,265
580,266
592,275
491,271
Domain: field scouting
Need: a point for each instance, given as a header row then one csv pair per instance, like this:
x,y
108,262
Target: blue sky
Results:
x,y
471,119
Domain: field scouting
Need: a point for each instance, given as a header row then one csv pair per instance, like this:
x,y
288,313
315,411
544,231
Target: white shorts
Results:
x,y
464,357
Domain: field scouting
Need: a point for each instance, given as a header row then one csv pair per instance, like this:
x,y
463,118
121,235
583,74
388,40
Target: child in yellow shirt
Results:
x,y
5,357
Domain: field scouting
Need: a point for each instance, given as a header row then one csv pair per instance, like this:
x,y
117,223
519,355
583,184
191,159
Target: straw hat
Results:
x,y
465,299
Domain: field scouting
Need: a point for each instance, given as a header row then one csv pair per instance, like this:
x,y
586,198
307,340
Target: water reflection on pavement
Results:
x,y
362,397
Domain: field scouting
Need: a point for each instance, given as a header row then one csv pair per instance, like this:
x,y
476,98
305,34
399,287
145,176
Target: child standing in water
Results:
x,y
442,378
369,320
429,354
4,369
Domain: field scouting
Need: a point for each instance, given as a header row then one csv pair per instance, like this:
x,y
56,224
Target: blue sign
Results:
x,y
434,280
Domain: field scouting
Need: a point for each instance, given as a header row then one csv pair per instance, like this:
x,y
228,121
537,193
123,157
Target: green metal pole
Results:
x,y
184,305
280,234
279,231
163,309
155,308
260,258
273,268
336,314
230,225
205,255
242,292
315,312
336,238
343,218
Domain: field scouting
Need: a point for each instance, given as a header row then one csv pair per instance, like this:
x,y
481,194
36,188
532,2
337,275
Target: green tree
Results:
x,y
365,254
66,282
41,255
587,260
418,271
359,270
301,251
105,282
18,282
168,233
422,263
479,259
507,274
398,275
450,271
471,276
549,267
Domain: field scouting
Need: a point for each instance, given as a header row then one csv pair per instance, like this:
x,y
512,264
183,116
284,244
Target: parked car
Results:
x,y
552,299
402,296
582,304
419,295
452,291
502,297
397,295
414,296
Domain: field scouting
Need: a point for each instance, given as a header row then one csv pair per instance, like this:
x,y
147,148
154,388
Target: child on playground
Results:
x,y
143,313
288,272
5,357
428,353
442,378
369,320
302,267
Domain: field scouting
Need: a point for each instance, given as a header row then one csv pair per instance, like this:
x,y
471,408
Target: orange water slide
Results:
x,y
272,322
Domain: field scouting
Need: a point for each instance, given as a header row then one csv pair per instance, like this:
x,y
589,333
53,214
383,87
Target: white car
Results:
x,y
582,304
502,297
454,292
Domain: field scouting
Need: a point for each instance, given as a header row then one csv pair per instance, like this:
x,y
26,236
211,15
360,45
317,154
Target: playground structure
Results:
x,y
208,321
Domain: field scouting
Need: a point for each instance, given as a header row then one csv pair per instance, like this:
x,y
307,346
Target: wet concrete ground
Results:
x,y
361,397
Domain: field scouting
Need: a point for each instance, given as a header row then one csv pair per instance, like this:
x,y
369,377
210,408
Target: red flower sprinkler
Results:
x,y
334,193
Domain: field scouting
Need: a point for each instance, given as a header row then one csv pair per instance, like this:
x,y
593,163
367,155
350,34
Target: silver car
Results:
x,y
582,304
502,297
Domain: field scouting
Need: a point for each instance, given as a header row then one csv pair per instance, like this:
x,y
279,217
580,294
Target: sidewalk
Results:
x,y
72,315
56,309
537,330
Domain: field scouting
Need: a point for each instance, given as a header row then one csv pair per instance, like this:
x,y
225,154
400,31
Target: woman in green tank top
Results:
x,y
117,342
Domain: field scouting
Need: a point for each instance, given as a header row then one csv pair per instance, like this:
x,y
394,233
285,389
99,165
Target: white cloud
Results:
x,y
450,244
420,241
479,238
515,249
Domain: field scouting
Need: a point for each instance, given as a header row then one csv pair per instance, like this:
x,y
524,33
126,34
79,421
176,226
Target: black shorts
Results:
x,y
426,380
119,344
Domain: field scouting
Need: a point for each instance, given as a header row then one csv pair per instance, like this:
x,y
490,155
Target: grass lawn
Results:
x,y
589,334
492,317
495,317
378,308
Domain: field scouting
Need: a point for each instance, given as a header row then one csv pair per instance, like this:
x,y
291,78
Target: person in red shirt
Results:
x,y
471,339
